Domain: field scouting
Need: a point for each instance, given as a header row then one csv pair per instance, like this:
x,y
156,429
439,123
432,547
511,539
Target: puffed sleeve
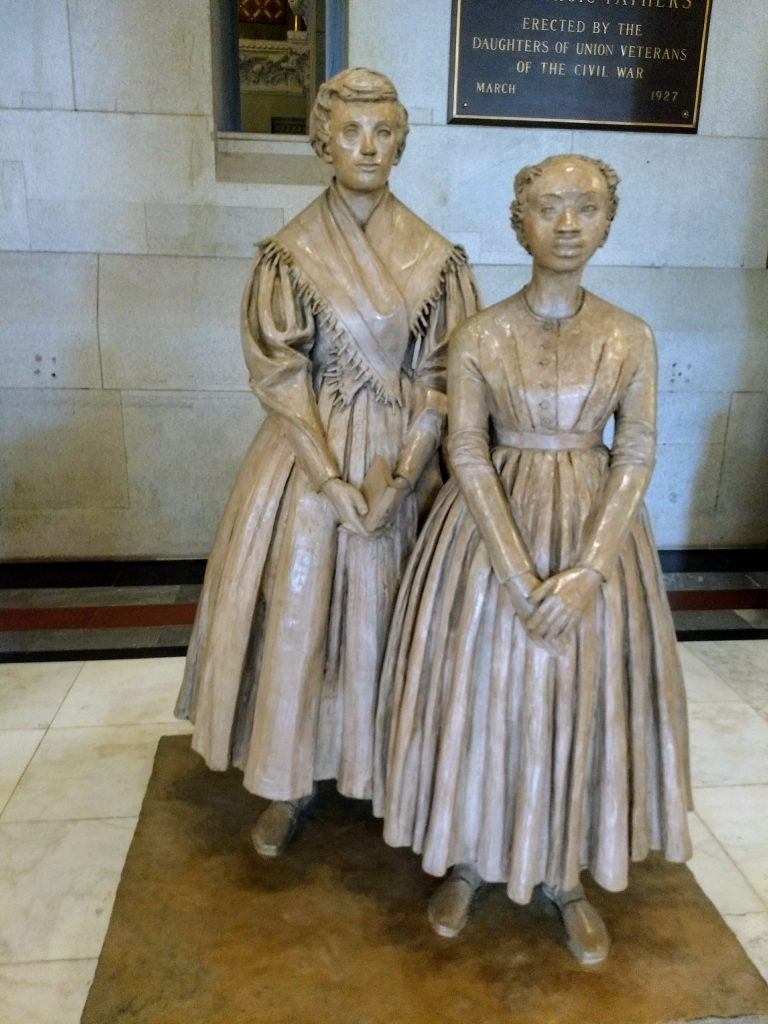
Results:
x,y
457,301
278,333
632,457
470,459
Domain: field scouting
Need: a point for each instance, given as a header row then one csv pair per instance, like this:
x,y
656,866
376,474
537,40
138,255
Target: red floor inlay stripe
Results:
x,y
120,616
98,617
716,600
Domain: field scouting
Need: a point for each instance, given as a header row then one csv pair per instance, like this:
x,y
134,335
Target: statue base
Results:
x,y
336,932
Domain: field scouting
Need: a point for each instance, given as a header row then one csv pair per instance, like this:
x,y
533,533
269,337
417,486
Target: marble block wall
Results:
x,y
124,403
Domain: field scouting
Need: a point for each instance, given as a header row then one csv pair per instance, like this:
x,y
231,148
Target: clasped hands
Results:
x,y
361,517
550,609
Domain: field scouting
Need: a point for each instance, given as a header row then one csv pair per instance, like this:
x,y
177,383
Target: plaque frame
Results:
x,y
458,99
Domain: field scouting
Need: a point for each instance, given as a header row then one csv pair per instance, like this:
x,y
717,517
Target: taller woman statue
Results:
x,y
532,707
345,324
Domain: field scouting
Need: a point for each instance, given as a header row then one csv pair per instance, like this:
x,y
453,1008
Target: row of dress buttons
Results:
x,y
547,380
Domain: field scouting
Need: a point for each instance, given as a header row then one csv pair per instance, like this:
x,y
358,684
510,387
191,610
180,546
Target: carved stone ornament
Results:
x,y
274,65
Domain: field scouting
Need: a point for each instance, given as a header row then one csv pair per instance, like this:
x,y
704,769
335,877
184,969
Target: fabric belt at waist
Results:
x,y
550,442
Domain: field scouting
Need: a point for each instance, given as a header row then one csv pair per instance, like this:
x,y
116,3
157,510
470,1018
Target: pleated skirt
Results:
x,y
281,677
533,767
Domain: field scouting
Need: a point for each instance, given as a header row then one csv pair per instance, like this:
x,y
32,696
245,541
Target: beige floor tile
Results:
x,y
729,744
31,693
88,773
16,749
737,816
741,664
717,874
57,885
123,692
701,682
45,993
752,932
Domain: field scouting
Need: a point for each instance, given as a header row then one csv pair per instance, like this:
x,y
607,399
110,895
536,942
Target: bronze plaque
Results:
x,y
621,64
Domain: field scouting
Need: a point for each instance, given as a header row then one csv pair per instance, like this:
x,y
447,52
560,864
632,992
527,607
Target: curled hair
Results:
x,y
527,175
354,85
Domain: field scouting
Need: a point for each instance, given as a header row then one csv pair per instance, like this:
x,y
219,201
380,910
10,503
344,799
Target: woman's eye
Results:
x,y
385,133
590,208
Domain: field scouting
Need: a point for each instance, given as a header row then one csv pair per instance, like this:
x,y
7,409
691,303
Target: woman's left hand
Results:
x,y
560,603
383,509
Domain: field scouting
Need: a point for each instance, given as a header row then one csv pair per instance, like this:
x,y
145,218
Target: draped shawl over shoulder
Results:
x,y
345,333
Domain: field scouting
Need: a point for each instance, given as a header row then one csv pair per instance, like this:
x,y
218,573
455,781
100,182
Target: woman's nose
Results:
x,y
567,221
368,143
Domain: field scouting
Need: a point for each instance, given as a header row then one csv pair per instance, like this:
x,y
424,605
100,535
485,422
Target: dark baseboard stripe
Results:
x,y
159,572
89,654
145,573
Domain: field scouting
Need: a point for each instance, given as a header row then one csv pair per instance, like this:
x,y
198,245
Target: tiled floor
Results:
x,y
77,739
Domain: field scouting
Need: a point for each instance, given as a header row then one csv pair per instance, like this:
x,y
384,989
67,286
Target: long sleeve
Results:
x,y
632,458
278,333
457,302
471,461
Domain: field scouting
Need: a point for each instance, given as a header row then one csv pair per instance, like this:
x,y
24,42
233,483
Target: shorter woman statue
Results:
x,y
532,713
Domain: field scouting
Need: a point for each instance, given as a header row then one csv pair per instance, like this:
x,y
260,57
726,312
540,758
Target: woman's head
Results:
x,y
354,85
527,176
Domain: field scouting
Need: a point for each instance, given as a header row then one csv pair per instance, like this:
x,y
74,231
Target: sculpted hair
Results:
x,y
527,175
354,85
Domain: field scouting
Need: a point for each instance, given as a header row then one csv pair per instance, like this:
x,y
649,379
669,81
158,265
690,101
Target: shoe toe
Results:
x,y
272,832
586,935
449,907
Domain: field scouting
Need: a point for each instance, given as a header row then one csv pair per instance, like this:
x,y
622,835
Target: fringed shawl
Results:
x,y
371,289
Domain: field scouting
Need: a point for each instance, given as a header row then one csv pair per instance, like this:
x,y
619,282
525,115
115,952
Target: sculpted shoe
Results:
x,y
276,825
448,908
585,934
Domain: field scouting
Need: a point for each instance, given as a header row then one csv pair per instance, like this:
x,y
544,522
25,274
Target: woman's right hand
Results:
x,y
520,589
349,503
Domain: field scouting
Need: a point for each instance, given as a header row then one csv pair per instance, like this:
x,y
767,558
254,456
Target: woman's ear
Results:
x,y
325,154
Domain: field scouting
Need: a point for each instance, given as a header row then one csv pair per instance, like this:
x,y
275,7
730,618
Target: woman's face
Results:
x,y
566,214
363,144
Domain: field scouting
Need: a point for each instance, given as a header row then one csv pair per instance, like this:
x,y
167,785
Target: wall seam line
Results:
x,y
71,58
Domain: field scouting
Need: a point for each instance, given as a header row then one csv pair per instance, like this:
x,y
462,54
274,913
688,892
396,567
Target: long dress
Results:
x,y
344,331
529,765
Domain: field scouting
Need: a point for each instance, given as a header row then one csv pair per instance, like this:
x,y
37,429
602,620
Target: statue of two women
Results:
x,y
531,715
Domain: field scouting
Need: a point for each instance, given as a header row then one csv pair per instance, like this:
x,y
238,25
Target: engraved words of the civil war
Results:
x,y
622,64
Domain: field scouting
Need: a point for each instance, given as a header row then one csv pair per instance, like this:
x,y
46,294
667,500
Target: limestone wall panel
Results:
x,y
102,157
61,449
141,56
172,323
48,336
209,230
14,225
184,451
35,71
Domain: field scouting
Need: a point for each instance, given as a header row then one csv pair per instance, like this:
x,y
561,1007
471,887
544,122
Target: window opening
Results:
x,y
277,65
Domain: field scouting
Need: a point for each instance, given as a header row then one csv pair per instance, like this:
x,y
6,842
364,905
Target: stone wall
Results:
x,y
124,404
